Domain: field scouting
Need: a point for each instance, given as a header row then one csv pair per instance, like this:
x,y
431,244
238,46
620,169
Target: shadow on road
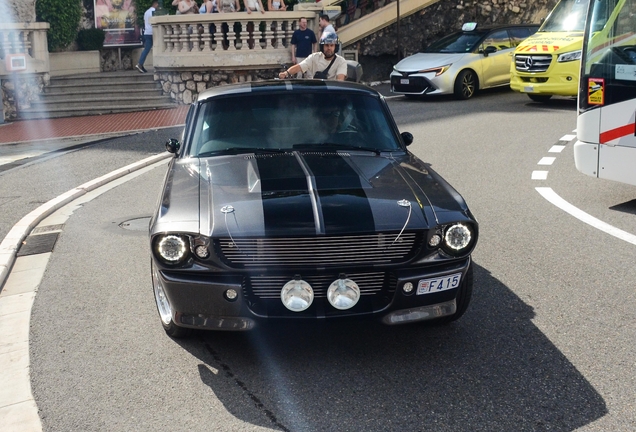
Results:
x,y
491,370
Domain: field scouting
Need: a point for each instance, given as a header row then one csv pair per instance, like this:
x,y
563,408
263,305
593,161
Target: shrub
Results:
x,y
90,39
63,16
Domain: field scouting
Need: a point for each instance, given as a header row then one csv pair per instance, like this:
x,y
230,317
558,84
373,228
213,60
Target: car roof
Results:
x,y
296,85
499,26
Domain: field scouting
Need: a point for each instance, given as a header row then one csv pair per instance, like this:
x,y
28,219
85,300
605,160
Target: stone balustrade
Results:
x,y
27,40
217,41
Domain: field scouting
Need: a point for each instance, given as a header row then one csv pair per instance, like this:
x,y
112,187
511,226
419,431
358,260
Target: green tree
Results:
x,y
64,18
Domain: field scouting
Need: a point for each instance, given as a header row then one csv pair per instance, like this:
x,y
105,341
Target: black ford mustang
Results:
x,y
300,200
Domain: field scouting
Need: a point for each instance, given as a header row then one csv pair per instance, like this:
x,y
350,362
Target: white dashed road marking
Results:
x,y
559,202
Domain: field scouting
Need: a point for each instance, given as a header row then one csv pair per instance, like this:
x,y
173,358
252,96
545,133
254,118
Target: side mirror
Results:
x,y
489,50
407,137
172,146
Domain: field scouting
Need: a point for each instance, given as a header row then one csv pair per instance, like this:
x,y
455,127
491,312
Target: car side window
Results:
x,y
519,34
499,39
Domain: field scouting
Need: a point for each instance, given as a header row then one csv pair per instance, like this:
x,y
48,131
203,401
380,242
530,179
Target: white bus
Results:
x,y
606,136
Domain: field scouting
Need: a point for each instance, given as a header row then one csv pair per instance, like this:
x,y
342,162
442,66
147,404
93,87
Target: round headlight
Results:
x,y
297,295
457,237
172,248
343,294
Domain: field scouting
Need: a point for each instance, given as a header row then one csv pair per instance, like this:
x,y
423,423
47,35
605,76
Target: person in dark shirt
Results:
x,y
303,43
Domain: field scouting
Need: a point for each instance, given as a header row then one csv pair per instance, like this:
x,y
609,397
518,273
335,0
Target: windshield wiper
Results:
x,y
239,150
333,146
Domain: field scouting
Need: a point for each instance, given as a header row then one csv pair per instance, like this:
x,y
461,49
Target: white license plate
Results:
x,y
404,81
528,89
429,286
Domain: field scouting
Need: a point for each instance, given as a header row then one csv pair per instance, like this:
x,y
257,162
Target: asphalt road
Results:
x,y
547,344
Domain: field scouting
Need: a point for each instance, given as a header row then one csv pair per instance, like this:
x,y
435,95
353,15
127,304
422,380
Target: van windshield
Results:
x,y
567,16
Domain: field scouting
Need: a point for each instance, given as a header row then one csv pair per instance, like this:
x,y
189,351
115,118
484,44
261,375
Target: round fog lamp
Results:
x,y
435,240
202,251
457,237
408,287
231,294
172,248
297,295
343,294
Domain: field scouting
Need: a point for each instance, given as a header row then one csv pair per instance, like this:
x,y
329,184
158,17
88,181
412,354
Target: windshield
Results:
x,y
288,121
568,15
460,42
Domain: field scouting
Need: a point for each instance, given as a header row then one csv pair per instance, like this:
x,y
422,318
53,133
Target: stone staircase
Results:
x,y
98,93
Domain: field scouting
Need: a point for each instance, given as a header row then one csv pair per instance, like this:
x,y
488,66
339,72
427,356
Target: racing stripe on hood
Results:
x,y
286,199
343,201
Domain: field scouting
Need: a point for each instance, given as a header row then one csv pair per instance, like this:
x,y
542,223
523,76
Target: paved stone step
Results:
x,y
92,94
110,88
148,103
97,110
93,97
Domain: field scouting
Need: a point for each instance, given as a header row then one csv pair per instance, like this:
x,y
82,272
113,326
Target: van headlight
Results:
x,y
569,56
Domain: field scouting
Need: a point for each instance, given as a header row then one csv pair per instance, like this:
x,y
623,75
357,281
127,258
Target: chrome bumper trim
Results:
x,y
422,313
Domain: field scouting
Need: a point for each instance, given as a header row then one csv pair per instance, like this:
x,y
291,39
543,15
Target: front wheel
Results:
x,y
539,98
164,308
465,84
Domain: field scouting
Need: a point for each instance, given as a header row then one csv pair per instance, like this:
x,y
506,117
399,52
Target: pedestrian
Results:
x,y
303,43
185,7
147,36
276,5
254,6
226,6
325,64
325,26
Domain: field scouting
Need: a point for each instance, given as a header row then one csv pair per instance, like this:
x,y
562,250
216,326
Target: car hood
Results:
x,y
306,194
422,61
550,42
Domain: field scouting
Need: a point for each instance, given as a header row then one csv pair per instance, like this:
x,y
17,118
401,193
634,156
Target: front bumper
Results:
x,y
421,84
563,81
200,301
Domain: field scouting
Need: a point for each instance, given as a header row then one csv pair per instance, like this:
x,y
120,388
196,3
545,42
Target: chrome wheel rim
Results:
x,y
468,85
163,306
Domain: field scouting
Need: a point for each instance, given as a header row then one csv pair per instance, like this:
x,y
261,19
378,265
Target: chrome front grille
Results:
x,y
532,62
318,251
269,287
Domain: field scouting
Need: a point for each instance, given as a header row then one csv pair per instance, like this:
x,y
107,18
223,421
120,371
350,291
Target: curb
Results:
x,y
11,243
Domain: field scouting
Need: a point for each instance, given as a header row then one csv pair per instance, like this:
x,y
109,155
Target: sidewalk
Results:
x,y
23,131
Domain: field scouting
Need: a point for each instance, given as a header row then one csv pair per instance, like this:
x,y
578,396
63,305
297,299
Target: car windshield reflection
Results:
x,y
459,42
284,122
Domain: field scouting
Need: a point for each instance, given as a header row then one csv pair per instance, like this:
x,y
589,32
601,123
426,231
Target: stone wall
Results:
x,y
184,87
378,52
20,91
17,11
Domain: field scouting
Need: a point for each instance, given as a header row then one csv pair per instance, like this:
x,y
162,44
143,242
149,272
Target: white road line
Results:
x,y
555,199
556,149
546,161
539,175
567,137
18,409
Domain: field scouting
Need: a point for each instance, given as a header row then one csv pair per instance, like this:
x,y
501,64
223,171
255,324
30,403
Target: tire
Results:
x,y
164,308
466,85
463,300
539,98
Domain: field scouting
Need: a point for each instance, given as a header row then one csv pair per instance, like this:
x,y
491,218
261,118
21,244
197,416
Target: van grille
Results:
x,y
532,63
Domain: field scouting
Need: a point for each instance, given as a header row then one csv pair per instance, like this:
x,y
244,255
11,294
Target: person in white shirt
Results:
x,y
325,26
317,63
147,36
